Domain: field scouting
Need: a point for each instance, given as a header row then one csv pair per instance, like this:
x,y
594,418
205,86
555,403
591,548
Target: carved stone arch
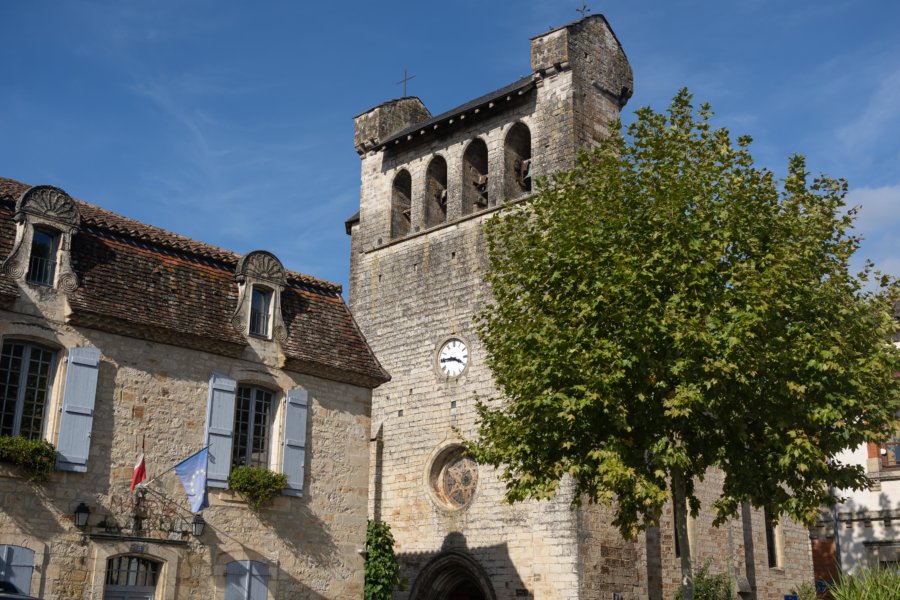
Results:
x,y
261,269
447,573
261,265
48,202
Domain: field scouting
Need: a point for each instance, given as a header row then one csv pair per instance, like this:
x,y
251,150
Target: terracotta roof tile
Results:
x,y
140,280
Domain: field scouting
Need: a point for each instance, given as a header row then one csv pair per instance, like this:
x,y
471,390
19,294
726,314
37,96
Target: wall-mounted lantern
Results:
x,y
198,524
82,512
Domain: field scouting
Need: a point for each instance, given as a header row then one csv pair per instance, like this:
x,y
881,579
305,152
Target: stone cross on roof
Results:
x,y
584,10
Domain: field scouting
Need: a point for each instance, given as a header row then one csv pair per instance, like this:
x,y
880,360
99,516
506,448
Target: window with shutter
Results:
x,y
219,429
295,417
26,378
252,427
16,566
246,580
77,415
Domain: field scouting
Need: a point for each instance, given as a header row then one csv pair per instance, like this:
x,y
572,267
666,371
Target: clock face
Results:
x,y
453,357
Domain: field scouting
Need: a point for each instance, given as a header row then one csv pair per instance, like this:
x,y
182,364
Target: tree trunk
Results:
x,y
681,531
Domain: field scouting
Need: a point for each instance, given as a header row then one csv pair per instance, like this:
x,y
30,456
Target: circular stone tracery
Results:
x,y
454,477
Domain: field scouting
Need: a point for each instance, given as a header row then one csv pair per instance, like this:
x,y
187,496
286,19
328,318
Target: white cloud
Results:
x,y
879,118
879,209
878,222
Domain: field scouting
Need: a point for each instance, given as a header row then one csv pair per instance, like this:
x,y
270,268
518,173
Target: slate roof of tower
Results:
x,y
519,86
145,282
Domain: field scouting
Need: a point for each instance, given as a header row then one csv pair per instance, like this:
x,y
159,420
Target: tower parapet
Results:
x,y
381,122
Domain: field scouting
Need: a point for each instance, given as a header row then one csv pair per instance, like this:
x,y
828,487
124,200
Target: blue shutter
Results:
x,y
259,581
219,426
294,459
16,566
237,580
246,580
77,416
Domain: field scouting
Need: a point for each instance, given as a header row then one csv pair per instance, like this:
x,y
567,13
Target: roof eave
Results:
x,y
420,130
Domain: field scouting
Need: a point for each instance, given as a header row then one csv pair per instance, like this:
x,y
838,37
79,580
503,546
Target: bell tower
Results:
x,y
418,254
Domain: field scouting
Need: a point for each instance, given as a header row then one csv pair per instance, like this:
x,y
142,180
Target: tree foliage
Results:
x,y
668,307
382,569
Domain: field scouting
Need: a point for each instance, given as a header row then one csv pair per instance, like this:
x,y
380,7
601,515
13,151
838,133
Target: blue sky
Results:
x,y
231,122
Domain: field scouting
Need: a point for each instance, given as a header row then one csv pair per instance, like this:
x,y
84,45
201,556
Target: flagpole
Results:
x,y
173,467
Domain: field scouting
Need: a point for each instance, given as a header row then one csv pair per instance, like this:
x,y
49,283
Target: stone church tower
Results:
x,y
418,251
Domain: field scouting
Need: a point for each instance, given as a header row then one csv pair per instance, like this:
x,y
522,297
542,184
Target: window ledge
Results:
x,y
887,475
9,470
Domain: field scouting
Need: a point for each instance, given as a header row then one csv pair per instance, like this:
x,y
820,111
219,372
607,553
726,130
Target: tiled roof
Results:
x,y
514,89
146,282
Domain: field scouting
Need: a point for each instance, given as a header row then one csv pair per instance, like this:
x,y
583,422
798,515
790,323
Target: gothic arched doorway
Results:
x,y
452,575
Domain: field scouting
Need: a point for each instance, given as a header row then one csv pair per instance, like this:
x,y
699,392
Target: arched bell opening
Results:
x,y
517,162
475,177
401,204
436,192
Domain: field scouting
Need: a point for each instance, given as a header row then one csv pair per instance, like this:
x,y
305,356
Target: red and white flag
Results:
x,y
140,472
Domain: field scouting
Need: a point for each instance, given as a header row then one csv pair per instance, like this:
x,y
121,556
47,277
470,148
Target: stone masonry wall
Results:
x,y
159,392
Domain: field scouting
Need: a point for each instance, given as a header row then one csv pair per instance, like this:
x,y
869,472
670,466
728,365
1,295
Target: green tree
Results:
x,y
382,569
667,308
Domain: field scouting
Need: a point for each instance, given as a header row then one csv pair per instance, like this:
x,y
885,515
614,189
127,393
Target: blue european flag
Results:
x,y
192,472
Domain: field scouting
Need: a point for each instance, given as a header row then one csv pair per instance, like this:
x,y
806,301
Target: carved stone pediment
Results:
x,y
50,203
261,266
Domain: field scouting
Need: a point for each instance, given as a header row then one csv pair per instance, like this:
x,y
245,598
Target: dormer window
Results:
x,y
42,263
260,309
261,279
46,221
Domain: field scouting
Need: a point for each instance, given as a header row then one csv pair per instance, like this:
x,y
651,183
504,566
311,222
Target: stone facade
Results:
x,y
418,253
153,380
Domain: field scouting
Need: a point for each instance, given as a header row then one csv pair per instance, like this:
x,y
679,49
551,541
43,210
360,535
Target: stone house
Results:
x,y
116,336
418,253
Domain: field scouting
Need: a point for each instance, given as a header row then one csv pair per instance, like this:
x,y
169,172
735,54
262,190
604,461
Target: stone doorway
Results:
x,y
452,575
131,578
466,591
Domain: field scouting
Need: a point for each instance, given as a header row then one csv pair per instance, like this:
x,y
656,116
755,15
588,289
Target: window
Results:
x,y
890,453
238,425
260,309
131,577
246,580
773,540
26,374
252,419
261,278
42,263
690,530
